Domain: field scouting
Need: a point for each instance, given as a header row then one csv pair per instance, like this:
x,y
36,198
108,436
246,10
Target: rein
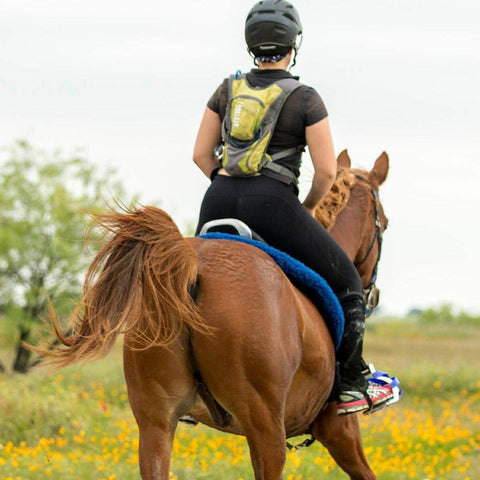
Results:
x,y
371,292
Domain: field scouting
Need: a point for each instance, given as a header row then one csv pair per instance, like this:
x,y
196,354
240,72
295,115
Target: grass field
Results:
x,y
77,425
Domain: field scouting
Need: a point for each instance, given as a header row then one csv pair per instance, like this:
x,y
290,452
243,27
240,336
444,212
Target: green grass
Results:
x,y
38,404
423,355
76,424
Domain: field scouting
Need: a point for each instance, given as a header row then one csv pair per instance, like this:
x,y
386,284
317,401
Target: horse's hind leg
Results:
x,y
161,389
341,436
265,432
254,392
154,450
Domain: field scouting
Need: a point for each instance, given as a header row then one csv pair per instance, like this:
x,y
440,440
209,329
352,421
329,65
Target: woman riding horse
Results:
x,y
214,329
257,179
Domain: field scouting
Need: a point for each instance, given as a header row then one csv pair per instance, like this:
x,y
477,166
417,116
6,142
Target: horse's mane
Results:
x,y
336,199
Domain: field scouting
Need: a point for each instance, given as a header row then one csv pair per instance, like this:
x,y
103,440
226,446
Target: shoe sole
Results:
x,y
364,408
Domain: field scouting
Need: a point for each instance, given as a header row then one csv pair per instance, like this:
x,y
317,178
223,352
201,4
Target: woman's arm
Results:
x,y
208,136
320,146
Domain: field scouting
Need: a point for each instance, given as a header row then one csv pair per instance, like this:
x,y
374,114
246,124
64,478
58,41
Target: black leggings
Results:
x,y
272,209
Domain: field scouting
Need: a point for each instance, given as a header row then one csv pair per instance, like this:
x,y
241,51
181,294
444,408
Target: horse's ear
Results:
x,y
343,160
380,169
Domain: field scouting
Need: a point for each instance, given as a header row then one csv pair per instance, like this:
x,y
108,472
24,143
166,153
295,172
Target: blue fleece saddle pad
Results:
x,y
304,278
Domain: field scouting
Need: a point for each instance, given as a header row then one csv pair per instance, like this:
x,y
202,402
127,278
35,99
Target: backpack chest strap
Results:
x,y
280,169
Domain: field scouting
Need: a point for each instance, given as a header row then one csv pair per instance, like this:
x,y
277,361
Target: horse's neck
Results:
x,y
350,227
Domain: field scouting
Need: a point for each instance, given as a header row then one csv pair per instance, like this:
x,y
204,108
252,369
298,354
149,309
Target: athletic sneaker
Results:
x,y
351,401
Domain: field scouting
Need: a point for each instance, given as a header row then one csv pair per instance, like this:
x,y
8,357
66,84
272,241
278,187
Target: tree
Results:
x,y
45,200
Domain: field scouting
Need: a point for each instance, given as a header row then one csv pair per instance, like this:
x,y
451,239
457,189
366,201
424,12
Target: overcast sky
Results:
x,y
128,82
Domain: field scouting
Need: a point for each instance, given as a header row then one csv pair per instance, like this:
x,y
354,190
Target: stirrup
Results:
x,y
381,378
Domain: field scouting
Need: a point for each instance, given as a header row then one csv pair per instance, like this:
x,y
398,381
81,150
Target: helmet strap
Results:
x,y
253,57
296,48
301,41
294,60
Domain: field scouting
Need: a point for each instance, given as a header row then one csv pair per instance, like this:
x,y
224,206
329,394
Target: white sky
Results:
x,y
128,82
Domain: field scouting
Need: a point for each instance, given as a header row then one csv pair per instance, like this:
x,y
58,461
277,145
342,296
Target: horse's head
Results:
x,y
358,220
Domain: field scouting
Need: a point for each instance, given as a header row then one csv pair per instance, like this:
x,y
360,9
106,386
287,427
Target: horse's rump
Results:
x,y
264,331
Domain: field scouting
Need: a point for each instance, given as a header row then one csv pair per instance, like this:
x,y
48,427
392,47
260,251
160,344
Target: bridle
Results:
x,y
371,293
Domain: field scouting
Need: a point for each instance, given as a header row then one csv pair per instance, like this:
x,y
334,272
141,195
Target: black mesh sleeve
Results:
x,y
313,107
218,100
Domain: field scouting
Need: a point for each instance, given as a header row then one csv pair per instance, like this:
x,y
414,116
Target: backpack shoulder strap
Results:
x,y
227,120
288,85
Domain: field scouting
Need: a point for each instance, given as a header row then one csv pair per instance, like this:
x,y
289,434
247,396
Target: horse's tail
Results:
x,y
138,284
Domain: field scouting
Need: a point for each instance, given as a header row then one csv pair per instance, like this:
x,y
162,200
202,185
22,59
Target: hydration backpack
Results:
x,y
250,118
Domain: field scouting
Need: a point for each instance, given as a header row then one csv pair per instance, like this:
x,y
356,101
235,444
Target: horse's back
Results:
x,y
266,333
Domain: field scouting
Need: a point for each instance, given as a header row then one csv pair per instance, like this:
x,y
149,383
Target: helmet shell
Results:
x,y
272,27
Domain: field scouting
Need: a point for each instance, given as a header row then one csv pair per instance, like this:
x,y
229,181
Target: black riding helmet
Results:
x,y
272,28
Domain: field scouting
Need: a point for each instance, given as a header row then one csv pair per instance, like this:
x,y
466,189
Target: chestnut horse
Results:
x,y
214,329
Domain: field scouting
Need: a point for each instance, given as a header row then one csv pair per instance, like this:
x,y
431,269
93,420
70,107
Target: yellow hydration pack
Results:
x,y
250,118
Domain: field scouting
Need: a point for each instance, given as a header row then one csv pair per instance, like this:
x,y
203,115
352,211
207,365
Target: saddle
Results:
x,y
303,277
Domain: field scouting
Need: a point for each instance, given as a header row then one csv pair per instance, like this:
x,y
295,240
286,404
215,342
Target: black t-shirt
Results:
x,y
303,108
